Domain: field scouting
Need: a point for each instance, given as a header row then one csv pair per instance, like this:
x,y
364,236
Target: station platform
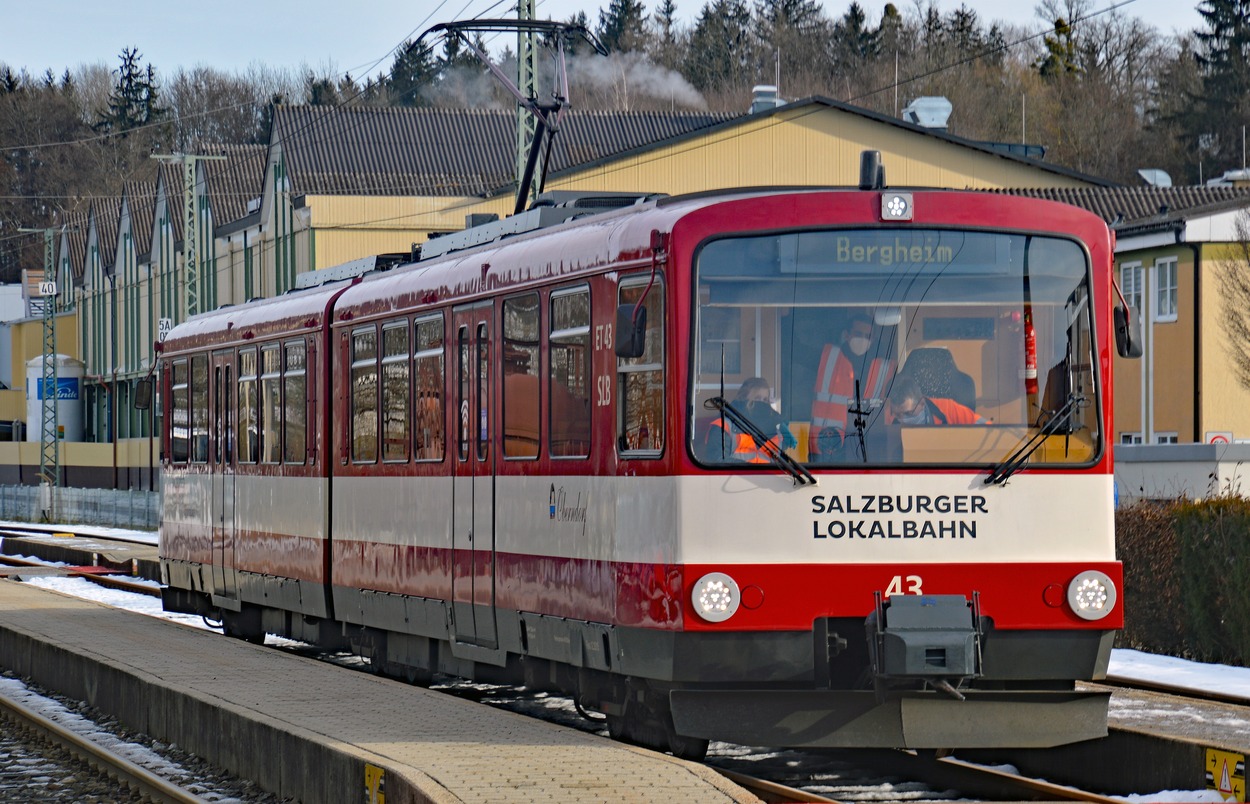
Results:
x,y
315,732
83,549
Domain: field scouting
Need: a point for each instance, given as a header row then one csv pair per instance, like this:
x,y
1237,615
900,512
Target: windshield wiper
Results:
x,y
859,412
1058,421
763,441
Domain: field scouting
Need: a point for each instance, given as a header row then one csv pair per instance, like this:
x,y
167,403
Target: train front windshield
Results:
x,y
895,347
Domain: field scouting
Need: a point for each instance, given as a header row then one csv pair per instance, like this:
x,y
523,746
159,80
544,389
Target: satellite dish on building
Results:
x,y
1155,177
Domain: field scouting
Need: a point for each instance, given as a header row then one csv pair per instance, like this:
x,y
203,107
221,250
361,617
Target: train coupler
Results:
x,y
935,639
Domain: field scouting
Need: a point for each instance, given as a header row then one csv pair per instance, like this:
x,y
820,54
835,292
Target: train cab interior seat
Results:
x,y
934,370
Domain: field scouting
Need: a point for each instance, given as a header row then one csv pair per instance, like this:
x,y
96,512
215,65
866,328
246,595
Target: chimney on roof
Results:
x,y
765,97
931,112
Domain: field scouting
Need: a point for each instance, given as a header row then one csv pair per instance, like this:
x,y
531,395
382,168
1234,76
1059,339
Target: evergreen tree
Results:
x,y
413,70
1224,62
720,45
9,83
1060,56
854,41
133,100
620,26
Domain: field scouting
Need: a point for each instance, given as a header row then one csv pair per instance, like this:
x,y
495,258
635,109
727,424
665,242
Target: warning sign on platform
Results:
x,y
1226,773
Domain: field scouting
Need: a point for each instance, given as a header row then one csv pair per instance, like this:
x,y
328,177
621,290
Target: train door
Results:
x,y
473,488
221,469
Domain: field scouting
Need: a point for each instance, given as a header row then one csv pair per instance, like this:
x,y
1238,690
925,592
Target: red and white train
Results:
x,y
503,462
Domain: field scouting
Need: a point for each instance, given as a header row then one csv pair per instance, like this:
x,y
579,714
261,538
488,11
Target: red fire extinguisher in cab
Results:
x,y
1030,352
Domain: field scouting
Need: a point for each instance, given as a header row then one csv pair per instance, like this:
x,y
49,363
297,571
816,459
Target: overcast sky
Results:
x,y
356,37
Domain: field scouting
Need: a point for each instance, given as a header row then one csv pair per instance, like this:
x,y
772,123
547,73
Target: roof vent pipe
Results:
x,y
932,113
765,97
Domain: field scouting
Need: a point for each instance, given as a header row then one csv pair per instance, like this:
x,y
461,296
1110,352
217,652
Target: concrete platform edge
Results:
x,y
282,761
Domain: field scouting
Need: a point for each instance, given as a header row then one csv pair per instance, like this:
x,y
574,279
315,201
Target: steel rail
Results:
x,y
18,530
771,791
1173,689
110,581
139,779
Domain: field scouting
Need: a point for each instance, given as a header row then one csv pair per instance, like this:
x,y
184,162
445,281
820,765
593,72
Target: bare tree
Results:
x,y
1235,291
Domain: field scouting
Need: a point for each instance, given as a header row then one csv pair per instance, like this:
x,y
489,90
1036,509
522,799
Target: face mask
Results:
x,y
919,416
859,346
762,414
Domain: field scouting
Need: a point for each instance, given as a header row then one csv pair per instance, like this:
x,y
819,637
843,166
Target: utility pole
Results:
x,y
190,225
49,436
527,69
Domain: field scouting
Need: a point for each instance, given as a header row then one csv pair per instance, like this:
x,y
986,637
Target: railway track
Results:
x,y
1173,689
938,773
146,784
120,582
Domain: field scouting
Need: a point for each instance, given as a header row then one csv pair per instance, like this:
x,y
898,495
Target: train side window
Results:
x,y
640,385
271,404
365,395
295,404
483,392
569,426
396,392
428,435
199,409
462,398
180,416
249,420
521,338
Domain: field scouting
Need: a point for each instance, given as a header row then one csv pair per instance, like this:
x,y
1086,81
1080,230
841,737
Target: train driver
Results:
x,y
727,441
840,366
907,405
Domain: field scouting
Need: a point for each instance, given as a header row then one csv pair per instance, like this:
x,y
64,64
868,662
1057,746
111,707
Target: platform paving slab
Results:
x,y
316,732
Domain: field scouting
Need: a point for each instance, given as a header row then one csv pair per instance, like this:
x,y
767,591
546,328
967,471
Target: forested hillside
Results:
x,y
1105,93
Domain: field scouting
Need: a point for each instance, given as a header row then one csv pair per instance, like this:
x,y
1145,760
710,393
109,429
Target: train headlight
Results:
x,y
1091,595
716,597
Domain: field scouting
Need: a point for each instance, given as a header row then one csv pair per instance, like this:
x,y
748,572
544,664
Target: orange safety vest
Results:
x,y
835,387
952,412
744,446
948,411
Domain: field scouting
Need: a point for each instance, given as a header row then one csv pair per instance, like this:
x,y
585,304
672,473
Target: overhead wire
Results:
x,y
324,119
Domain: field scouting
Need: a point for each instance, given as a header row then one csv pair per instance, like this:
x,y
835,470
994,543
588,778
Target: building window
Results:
x,y
1130,284
1165,438
1130,438
1165,290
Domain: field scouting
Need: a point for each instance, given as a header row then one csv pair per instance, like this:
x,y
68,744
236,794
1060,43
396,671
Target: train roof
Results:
x,y
514,261
297,311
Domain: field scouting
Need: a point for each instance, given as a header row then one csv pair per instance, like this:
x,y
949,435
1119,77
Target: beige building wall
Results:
x,y
1225,404
811,145
1221,404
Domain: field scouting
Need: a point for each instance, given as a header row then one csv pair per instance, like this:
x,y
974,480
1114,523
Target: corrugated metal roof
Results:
x,y
76,239
1129,207
106,217
171,176
234,181
440,152
141,200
